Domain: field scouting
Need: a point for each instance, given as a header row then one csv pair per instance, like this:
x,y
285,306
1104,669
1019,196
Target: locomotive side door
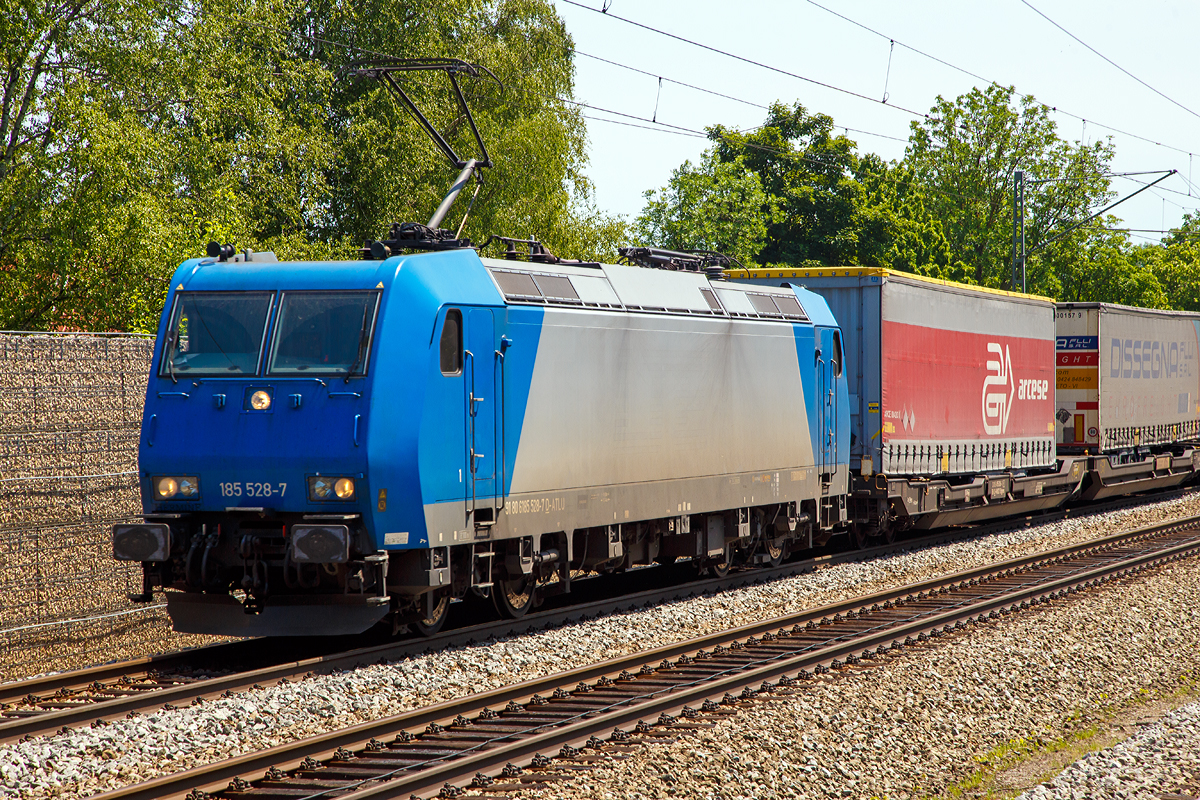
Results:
x,y
481,407
829,369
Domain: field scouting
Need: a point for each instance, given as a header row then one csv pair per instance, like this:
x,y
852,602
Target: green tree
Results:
x,y
81,174
897,229
716,205
1176,264
136,130
966,153
807,172
792,192
1100,267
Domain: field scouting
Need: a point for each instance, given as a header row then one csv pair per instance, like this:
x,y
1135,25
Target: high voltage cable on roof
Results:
x,y
1109,60
976,76
751,61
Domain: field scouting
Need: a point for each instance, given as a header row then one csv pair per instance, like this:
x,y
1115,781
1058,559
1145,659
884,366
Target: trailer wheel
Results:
x,y
860,536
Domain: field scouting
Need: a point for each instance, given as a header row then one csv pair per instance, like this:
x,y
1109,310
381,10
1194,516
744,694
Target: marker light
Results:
x,y
344,488
260,400
167,487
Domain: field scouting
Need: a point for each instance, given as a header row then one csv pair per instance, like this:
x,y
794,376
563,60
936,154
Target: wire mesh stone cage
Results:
x,y
70,416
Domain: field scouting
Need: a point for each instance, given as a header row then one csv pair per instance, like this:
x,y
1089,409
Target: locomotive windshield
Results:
x,y
323,332
216,333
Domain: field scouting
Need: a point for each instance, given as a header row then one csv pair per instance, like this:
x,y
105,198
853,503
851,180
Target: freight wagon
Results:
x,y
1128,394
951,397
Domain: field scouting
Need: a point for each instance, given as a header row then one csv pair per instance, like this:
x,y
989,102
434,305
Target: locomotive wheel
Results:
x,y
774,552
430,626
514,597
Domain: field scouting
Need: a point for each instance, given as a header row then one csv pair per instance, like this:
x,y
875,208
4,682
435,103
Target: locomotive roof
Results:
x,y
455,276
636,288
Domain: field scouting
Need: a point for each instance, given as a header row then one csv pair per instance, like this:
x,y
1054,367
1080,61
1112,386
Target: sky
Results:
x,y
1152,113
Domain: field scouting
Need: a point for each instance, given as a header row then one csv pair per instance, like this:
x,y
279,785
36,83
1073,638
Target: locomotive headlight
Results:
x,y
260,400
320,488
176,486
324,488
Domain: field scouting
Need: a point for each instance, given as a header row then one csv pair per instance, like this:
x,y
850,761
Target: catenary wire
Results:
x,y
976,76
665,126
1109,60
718,94
750,61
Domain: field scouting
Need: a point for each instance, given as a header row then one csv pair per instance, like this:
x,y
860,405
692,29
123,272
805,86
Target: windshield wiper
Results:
x,y
362,343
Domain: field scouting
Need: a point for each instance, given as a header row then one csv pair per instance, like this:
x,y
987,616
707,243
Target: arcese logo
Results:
x,y
999,388
998,391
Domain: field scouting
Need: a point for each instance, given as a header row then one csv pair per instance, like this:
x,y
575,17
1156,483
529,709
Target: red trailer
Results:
x,y
951,397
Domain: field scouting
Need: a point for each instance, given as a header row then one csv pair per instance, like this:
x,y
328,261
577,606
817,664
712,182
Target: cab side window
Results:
x,y
451,346
836,358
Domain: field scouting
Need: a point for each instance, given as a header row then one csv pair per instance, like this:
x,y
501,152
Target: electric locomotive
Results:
x,y
326,446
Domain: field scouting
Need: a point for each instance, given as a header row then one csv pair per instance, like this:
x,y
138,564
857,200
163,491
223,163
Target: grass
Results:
x,y
1038,759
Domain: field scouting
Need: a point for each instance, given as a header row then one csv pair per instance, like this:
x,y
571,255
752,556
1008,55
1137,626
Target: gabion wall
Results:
x,y
70,417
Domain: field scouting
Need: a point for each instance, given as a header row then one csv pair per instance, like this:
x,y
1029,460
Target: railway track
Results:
x,y
487,737
47,704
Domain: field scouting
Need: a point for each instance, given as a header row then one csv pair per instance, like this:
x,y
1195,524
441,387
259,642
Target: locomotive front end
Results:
x,y
253,465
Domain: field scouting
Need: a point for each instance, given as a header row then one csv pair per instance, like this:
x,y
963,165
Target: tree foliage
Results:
x,y
717,205
966,153
802,196
133,131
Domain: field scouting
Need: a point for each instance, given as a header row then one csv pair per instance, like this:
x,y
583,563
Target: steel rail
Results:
x,y
968,595
86,696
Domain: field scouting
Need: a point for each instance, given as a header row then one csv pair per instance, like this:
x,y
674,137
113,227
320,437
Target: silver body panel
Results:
x,y
636,416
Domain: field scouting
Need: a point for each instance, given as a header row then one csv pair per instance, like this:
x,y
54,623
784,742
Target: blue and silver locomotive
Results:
x,y
326,446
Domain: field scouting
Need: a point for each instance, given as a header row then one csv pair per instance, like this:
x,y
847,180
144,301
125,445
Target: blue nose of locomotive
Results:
x,y
253,443
260,393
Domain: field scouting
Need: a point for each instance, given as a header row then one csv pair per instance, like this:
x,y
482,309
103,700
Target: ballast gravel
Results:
x,y
1160,761
916,723
87,761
